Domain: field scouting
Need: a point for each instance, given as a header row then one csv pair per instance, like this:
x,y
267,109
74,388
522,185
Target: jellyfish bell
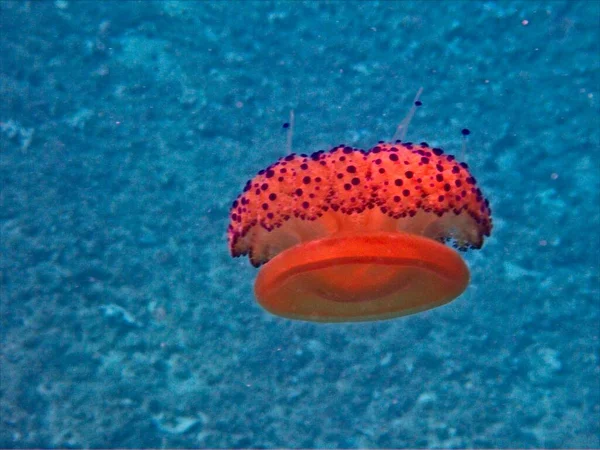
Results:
x,y
354,235
372,276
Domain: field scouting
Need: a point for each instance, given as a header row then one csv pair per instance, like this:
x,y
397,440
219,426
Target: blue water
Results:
x,y
127,128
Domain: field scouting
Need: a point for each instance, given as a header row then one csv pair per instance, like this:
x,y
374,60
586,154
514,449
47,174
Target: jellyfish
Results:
x,y
352,235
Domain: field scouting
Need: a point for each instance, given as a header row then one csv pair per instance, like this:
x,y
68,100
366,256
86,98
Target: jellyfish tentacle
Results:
x,y
402,129
290,133
465,132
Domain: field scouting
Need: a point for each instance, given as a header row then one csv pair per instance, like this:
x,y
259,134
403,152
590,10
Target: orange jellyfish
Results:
x,y
354,235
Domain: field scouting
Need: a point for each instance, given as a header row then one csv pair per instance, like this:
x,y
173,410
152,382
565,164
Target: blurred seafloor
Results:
x,y
127,128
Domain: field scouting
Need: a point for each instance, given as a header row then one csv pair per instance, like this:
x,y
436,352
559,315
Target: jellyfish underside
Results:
x,y
360,267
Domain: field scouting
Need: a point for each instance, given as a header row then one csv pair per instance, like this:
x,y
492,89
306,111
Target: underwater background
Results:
x,y
127,129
